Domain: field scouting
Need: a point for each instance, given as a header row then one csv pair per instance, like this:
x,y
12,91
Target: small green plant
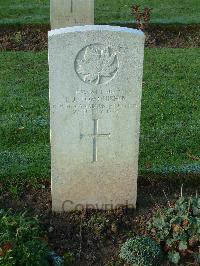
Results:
x,y
98,225
69,259
141,251
177,228
118,262
17,37
21,241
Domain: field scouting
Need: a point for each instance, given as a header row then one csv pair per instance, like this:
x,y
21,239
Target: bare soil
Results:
x,y
34,38
93,236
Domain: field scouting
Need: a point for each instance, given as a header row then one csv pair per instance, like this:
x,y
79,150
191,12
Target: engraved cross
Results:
x,y
95,136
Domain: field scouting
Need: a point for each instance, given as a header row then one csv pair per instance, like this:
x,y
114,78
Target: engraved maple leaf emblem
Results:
x,y
97,63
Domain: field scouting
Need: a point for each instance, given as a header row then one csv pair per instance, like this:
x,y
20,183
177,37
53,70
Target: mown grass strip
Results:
x,y
168,11
169,141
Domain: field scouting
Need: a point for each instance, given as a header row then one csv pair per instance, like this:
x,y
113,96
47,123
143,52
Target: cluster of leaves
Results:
x,y
142,17
141,251
21,241
98,225
69,259
178,229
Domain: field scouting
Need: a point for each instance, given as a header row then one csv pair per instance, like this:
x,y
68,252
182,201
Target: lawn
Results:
x,y
112,11
170,114
164,11
24,11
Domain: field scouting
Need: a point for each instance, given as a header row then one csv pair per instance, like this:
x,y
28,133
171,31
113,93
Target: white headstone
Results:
x,y
95,102
65,13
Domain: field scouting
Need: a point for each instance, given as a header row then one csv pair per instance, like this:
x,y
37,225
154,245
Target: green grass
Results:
x,y
106,11
24,114
170,111
170,114
24,11
164,11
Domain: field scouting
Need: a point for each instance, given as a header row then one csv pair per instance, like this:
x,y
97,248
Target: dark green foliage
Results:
x,y
141,251
178,228
21,241
69,259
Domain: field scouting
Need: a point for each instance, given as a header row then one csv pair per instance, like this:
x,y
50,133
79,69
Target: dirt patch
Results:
x,y
173,36
27,38
34,38
93,236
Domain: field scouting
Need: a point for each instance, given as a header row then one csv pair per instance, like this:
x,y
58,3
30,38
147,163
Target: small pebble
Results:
x,y
51,229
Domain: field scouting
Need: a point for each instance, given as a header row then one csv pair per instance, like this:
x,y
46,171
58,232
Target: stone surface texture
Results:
x,y
95,102
65,13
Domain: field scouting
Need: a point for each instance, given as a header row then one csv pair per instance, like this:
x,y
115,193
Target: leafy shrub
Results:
x,y
142,17
178,229
21,241
141,251
98,225
69,259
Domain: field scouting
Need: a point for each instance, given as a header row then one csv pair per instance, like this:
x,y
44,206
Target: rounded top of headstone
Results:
x,y
87,28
